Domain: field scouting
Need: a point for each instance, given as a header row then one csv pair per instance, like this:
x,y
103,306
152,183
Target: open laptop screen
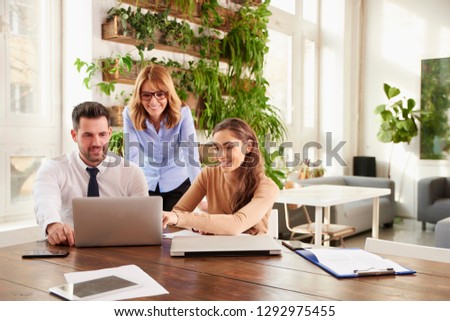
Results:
x,y
117,221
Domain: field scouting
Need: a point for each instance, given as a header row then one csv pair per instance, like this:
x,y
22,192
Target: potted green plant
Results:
x,y
115,65
398,118
135,24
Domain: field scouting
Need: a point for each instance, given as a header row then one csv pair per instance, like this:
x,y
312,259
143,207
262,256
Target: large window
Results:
x,y
292,68
279,73
30,91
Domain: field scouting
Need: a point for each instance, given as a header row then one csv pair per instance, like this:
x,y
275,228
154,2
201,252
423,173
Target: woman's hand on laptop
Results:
x,y
58,233
170,218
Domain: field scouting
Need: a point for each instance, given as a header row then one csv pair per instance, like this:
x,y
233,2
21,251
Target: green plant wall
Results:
x,y
435,102
237,90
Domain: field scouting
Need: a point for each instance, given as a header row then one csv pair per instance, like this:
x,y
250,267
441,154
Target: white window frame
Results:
x,y
300,29
35,134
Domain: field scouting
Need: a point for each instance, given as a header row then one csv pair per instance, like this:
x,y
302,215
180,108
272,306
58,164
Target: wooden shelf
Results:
x,y
252,2
124,77
129,77
195,17
112,31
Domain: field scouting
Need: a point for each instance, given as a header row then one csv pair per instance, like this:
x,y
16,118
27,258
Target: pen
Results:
x,y
387,271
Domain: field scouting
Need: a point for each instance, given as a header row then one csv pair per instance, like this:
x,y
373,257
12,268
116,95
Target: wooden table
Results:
x,y
285,278
324,196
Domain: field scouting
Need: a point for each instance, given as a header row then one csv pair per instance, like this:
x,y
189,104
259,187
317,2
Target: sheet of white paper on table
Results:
x,y
180,233
129,272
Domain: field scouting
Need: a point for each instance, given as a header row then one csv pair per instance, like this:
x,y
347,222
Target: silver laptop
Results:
x,y
117,221
221,245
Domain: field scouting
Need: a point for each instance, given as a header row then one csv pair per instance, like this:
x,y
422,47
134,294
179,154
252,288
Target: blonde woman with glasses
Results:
x,y
159,135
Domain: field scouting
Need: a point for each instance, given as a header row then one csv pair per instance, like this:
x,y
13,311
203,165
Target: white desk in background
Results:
x,y
322,197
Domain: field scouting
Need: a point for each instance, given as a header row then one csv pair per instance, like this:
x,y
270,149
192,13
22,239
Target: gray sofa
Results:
x,y
442,233
433,199
357,214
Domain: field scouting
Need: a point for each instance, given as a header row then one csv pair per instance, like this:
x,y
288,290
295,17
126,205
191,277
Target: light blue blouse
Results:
x,y
167,157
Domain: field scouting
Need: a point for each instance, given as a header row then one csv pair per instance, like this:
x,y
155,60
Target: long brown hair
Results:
x,y
251,170
161,79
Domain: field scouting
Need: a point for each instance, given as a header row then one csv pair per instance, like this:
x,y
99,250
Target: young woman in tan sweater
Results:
x,y
240,196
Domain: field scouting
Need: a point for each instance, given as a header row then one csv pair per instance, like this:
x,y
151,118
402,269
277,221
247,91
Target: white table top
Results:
x,y
329,195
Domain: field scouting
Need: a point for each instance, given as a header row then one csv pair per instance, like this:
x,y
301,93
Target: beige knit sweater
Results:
x,y
252,218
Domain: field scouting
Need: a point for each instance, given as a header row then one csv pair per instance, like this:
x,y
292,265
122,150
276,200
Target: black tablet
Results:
x,y
93,288
45,253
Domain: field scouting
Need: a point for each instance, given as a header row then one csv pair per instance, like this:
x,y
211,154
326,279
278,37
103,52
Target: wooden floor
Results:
x,y
405,230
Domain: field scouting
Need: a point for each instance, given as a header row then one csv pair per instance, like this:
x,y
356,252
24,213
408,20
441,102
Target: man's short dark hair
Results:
x,y
89,109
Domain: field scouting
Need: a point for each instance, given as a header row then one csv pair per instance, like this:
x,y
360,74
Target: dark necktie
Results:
x,y
93,185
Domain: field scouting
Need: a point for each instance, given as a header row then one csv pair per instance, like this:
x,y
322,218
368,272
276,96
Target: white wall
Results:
x,y
75,44
398,35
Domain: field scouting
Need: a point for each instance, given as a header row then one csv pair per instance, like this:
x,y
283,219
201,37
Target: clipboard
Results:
x,y
352,263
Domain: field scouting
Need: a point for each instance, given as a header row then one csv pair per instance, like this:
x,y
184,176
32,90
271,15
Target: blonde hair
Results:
x,y
161,79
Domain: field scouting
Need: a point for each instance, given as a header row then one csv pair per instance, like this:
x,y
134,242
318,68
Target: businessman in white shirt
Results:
x,y
63,178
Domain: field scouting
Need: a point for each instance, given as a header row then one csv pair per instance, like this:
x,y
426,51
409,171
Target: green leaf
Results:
x,y
386,88
128,61
386,115
106,88
393,92
86,82
384,136
380,108
411,103
402,124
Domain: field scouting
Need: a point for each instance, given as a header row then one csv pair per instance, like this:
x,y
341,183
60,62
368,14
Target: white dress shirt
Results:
x,y
63,178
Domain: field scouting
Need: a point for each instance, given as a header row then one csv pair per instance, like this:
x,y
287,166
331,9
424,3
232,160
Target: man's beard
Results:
x,y
97,158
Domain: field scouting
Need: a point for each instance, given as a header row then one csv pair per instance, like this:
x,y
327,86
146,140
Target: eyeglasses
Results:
x,y
147,95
